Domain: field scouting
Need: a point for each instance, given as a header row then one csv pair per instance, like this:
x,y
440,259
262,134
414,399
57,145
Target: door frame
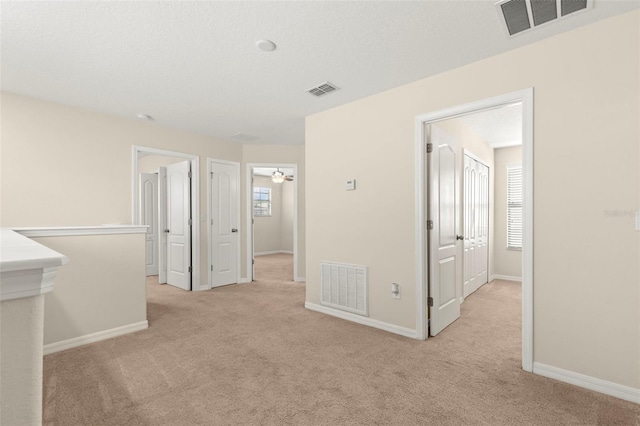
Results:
x,y
210,162
249,214
525,97
195,203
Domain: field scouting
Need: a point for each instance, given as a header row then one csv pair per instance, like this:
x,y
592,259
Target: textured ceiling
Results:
x,y
194,65
499,127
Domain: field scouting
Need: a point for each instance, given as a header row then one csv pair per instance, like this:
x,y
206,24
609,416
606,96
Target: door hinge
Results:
x,y
430,301
189,269
189,222
253,261
211,174
429,148
429,224
212,267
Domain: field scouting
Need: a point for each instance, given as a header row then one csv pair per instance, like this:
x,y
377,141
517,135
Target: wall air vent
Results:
x,y
323,89
522,15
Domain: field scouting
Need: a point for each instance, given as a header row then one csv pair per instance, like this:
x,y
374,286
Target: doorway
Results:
x,y
438,213
272,220
166,198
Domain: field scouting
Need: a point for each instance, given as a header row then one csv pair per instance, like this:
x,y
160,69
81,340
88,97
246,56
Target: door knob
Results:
x,y
234,230
459,237
166,231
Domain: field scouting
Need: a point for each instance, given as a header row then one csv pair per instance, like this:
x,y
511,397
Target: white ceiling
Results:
x,y
499,127
194,65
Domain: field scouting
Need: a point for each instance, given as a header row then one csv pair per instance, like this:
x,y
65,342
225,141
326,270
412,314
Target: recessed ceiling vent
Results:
x,y
323,89
522,15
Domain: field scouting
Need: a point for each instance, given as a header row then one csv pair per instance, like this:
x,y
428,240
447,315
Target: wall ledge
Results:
x,y
27,268
392,328
67,231
592,383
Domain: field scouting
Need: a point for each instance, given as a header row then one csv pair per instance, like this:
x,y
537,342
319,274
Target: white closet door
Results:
x,y
475,225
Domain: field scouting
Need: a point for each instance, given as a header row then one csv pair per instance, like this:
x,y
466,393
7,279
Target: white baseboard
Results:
x,y
264,253
300,279
94,337
505,277
396,329
244,281
603,386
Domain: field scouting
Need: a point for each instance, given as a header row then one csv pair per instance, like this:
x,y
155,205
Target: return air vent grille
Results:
x,y
344,287
522,15
323,89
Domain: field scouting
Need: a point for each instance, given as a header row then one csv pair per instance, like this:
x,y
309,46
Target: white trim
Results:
x,y
94,337
592,383
505,278
68,231
249,213
266,253
237,164
395,329
300,279
525,97
244,281
195,202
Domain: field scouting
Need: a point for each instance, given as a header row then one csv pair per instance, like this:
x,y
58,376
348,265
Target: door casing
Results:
x,y
525,97
249,215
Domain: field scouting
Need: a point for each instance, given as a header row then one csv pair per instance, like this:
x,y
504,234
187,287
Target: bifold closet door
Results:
x,y
475,225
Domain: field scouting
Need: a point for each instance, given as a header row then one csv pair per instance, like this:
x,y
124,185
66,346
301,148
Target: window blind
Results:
x,y
514,206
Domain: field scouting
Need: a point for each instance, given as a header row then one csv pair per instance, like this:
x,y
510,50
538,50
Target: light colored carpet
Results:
x,y
251,354
270,267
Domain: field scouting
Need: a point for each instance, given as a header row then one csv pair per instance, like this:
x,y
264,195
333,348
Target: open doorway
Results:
x,y
455,198
165,198
272,212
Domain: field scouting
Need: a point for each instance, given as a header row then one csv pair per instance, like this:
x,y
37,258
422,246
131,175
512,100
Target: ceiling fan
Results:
x,y
279,177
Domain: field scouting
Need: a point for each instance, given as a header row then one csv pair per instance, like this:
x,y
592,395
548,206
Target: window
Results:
x,y
514,206
261,201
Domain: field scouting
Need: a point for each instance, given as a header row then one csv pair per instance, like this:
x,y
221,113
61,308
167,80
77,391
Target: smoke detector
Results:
x,y
522,15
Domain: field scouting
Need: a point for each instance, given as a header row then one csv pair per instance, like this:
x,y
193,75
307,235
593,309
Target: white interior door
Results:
x,y
475,225
224,224
149,217
443,211
179,225
162,225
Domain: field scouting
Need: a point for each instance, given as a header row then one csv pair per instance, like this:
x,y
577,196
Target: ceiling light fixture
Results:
x,y
145,117
266,45
277,176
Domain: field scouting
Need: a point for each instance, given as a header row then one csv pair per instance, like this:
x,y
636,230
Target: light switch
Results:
x,y
351,185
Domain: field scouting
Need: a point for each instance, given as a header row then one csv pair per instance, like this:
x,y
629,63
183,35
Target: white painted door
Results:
x,y
475,225
162,225
443,211
224,224
149,217
178,225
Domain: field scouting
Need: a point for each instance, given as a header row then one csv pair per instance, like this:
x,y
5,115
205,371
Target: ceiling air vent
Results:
x,y
323,89
522,15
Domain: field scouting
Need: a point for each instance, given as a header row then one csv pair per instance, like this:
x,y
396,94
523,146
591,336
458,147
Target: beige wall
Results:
x,y
286,228
278,154
101,288
151,163
586,293
506,262
64,166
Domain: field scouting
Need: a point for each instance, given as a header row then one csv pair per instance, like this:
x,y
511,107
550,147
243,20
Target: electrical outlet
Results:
x,y
395,290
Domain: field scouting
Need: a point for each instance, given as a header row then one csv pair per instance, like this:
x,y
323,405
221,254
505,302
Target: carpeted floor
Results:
x,y
251,354
271,267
